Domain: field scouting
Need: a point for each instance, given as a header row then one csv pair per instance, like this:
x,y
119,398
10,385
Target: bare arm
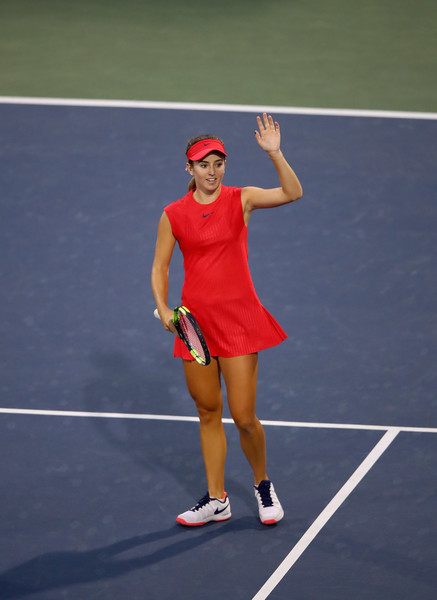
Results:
x,y
165,243
269,139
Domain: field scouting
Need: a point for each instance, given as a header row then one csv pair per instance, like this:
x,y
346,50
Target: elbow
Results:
x,y
295,194
299,194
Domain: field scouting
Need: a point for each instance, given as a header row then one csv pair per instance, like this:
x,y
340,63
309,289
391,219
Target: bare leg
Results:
x,y
205,389
240,375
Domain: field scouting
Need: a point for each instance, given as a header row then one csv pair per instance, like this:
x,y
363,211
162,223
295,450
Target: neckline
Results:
x,y
206,203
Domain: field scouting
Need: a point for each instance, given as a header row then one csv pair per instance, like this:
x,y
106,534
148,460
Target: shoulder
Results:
x,y
178,212
255,197
178,205
231,192
176,209
249,191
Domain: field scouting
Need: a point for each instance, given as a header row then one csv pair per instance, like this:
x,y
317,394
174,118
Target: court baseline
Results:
x,y
198,106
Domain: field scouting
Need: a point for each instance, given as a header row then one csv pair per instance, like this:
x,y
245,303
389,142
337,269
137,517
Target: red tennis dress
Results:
x,y
218,287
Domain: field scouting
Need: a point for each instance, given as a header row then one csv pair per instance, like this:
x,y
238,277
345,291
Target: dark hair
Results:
x,y
194,140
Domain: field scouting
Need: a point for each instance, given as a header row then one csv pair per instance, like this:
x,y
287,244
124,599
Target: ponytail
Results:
x,y
192,185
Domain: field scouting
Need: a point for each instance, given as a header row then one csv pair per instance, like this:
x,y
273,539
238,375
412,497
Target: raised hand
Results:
x,y
269,135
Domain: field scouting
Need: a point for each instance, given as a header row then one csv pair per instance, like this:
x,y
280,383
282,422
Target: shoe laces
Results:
x,y
264,492
202,502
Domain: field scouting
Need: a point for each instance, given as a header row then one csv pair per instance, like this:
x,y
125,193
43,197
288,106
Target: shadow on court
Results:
x,y
59,569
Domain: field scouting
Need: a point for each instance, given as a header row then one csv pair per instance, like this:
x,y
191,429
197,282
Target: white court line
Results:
x,y
101,415
149,417
288,110
326,514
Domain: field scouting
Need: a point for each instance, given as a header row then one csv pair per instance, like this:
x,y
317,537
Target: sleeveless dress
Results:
x,y
218,287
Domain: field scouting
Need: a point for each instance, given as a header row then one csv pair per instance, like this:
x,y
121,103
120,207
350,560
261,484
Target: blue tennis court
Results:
x,y
99,436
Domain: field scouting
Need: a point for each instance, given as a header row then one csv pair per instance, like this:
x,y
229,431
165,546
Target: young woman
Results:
x,y
210,225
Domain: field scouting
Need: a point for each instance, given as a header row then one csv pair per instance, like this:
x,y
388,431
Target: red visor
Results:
x,y
200,149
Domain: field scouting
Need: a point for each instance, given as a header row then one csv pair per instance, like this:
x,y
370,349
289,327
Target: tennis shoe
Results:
x,y
270,509
207,509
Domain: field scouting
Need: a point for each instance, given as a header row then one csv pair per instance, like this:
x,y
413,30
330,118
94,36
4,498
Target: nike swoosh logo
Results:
x,y
207,215
220,510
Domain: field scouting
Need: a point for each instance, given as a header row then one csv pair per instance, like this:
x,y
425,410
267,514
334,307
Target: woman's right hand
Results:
x,y
166,315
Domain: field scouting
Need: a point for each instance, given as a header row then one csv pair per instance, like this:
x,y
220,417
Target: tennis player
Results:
x,y
210,225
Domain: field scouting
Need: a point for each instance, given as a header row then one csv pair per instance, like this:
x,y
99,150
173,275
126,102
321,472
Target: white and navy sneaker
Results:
x,y
270,509
207,509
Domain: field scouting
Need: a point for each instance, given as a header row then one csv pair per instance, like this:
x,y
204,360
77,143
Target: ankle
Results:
x,y
258,480
218,496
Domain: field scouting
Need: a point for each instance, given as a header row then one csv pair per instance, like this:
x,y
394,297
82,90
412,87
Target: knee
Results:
x,y
247,424
209,415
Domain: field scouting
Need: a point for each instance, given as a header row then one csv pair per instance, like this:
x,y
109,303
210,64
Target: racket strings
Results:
x,y
191,335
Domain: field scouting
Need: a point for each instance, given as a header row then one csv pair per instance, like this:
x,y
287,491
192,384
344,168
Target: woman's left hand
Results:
x,y
268,136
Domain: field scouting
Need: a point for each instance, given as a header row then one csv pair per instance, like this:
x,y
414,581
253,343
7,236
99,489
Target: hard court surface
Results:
x,y
89,500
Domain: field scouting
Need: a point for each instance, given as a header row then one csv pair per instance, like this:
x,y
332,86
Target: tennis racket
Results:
x,y
189,332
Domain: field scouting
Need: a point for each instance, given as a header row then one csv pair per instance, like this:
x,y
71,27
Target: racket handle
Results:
x,y
156,314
